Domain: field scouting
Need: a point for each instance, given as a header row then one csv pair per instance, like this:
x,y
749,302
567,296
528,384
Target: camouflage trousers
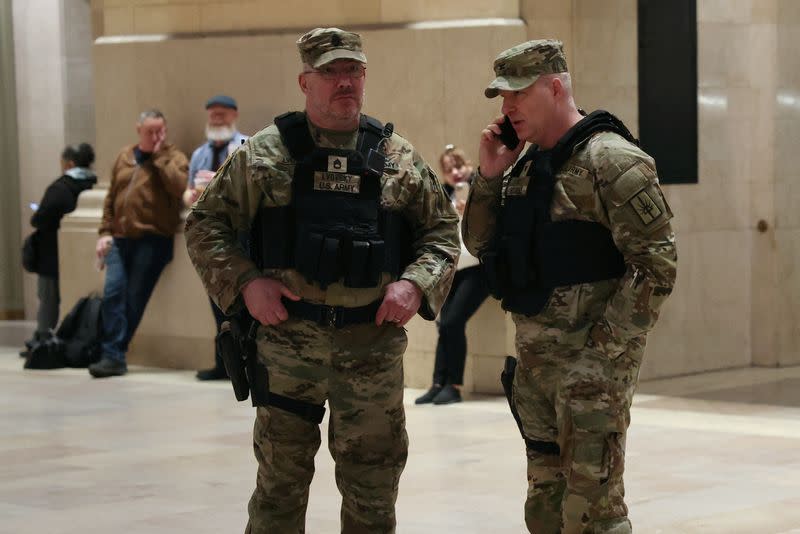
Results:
x,y
359,371
574,406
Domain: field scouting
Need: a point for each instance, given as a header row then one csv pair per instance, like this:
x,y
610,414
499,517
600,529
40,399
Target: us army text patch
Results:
x,y
340,183
576,171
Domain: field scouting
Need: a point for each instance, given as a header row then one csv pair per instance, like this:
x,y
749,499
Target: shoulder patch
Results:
x,y
637,191
646,208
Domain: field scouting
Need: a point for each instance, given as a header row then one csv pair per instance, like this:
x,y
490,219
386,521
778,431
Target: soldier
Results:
x,y
577,242
352,235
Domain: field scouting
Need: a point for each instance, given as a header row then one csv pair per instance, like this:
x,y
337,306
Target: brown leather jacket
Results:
x,y
145,199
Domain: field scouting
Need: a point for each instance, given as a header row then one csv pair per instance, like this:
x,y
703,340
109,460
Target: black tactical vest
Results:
x,y
532,254
334,228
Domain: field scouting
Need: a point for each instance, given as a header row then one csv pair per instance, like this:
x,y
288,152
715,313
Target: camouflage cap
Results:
x,y
520,66
323,45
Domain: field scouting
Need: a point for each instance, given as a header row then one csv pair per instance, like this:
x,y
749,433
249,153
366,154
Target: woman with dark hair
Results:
x,y
467,293
59,198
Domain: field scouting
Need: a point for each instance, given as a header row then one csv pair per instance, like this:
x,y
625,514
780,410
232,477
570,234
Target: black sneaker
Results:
x,y
428,397
108,367
448,395
215,373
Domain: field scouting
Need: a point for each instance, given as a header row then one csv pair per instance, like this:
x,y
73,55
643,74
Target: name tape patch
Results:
x,y
339,183
518,186
578,172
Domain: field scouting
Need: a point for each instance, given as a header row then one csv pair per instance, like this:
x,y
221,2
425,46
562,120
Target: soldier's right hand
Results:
x,y
493,155
262,296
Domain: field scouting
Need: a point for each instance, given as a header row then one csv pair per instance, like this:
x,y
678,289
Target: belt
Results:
x,y
335,316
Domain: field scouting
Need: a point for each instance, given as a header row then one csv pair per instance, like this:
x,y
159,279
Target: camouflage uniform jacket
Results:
x,y
610,181
261,173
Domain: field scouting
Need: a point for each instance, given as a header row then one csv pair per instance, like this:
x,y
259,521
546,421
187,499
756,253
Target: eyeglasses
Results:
x,y
354,72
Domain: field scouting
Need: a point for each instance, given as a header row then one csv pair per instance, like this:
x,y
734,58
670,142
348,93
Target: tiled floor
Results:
x,y
157,452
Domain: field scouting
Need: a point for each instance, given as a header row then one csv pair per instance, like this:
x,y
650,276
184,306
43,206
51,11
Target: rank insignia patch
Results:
x,y
337,164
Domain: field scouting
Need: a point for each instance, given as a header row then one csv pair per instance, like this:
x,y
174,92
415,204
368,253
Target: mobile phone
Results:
x,y
508,135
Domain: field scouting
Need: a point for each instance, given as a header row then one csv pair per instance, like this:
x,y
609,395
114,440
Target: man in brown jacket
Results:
x,y
140,217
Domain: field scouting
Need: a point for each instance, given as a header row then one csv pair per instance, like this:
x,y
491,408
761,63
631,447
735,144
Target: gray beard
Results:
x,y
220,133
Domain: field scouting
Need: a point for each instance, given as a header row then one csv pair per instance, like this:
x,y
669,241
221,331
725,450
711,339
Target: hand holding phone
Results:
x,y
499,147
508,135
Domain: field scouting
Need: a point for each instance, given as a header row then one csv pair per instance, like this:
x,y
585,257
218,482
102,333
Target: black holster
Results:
x,y
507,380
234,358
236,342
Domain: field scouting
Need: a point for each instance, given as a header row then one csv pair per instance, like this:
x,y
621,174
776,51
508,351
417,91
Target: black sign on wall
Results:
x,y
668,87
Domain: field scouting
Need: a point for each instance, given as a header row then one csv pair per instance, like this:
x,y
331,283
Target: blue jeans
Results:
x,y
132,270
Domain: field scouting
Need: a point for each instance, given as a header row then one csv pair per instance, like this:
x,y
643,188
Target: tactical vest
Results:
x,y
531,254
334,227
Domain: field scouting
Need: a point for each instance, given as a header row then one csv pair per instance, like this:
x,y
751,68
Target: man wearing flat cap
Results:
x,y
222,138
576,240
350,236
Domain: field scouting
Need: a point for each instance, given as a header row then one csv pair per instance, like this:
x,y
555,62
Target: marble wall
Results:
x,y
422,91
737,298
785,242
78,69
137,17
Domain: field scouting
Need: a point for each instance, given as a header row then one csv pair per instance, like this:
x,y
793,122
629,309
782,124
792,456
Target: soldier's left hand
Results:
x,y
400,302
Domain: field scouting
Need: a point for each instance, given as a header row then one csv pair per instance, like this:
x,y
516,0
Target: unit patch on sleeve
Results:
x,y
646,209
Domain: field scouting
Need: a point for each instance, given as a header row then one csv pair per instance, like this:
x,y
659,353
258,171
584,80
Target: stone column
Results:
x,y
54,103
38,48
11,295
782,241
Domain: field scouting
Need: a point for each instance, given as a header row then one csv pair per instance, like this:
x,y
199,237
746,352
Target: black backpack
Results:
x,y
81,332
46,353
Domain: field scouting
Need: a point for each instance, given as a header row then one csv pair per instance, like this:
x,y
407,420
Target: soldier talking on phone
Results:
x,y
575,238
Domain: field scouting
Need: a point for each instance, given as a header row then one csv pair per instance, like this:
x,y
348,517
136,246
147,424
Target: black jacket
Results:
x,y
60,198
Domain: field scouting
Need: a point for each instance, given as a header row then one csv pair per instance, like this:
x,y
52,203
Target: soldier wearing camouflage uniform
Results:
x,y
356,363
601,261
